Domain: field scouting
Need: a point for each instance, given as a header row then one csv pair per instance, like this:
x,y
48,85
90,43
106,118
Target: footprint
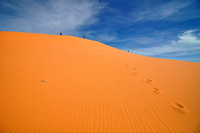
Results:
x,y
149,81
44,81
135,73
134,68
157,91
179,108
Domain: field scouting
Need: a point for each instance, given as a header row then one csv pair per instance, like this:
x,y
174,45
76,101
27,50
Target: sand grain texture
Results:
x,y
65,84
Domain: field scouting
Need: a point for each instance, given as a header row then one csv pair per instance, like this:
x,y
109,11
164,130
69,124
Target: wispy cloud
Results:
x,y
172,10
52,16
188,43
139,40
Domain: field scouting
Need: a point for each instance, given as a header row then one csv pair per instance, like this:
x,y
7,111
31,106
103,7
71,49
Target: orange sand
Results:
x,y
65,84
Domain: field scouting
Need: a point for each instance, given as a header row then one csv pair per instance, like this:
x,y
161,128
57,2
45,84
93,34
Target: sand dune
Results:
x,y
65,84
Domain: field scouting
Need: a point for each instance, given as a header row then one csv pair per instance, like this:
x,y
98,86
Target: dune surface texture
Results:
x,y
65,84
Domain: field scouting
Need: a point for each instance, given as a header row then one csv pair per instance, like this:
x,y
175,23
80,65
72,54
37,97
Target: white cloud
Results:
x,y
52,16
188,38
187,44
173,10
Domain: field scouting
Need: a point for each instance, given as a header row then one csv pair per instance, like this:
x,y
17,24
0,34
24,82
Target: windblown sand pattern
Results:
x,y
65,84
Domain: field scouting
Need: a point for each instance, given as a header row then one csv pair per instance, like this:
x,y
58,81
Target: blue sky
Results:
x,y
158,28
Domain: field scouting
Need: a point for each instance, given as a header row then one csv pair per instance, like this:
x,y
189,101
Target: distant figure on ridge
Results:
x,y
60,33
84,37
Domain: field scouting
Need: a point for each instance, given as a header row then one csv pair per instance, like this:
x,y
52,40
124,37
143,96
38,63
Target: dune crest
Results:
x,y
53,83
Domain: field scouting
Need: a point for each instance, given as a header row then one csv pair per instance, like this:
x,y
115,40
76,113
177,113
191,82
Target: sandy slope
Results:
x,y
65,84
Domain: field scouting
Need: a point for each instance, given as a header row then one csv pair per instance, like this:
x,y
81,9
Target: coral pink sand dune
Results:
x,y
65,84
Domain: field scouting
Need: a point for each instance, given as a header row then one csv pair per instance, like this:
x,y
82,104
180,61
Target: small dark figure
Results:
x,y
128,50
60,33
84,37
